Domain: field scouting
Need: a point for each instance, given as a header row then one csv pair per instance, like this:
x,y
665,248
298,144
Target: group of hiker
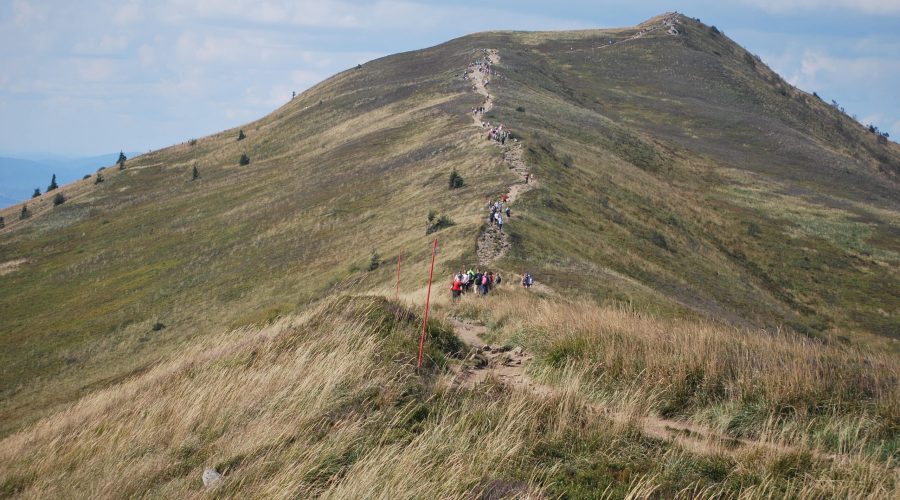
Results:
x,y
498,134
482,282
497,210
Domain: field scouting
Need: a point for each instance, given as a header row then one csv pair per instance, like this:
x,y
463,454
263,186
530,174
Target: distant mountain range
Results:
x,y
19,176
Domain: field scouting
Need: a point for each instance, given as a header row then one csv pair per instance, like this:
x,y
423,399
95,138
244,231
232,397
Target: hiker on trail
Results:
x,y
484,284
464,280
527,280
499,221
498,278
477,281
507,212
456,287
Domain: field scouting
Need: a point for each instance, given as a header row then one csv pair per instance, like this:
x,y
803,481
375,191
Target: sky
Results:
x,y
92,76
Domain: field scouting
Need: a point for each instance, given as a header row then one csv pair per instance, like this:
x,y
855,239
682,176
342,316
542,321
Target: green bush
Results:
x,y
437,224
36,193
59,199
456,181
24,214
195,174
245,160
2,223
375,261
520,109
241,135
98,179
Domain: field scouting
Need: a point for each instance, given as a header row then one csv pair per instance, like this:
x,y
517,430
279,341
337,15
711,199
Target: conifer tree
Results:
x,y
25,213
121,161
2,223
195,174
52,185
241,135
245,160
36,193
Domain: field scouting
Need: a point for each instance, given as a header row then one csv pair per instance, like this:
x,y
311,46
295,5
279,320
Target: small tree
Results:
x,y
121,161
241,135
59,199
2,223
195,174
99,178
456,181
52,185
375,261
245,160
25,213
36,193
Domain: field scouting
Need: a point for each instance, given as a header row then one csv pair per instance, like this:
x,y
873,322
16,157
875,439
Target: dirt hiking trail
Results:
x,y
508,366
493,244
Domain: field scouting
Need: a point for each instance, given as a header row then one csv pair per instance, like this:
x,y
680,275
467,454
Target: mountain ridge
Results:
x,y
629,212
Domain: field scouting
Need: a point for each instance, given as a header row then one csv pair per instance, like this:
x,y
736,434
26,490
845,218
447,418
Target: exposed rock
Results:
x,y
211,478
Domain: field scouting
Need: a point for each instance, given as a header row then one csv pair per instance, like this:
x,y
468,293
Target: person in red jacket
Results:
x,y
456,287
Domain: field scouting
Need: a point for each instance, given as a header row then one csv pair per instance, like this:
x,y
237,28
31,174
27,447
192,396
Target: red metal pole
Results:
x,y
397,295
427,301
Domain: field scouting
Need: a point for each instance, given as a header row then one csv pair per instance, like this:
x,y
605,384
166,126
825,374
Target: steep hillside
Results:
x,y
673,157
675,173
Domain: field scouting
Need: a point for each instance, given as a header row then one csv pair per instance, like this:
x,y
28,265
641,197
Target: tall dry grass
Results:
x,y
328,404
765,385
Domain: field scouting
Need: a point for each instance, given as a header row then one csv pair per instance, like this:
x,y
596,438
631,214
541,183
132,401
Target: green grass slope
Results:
x,y
683,162
677,175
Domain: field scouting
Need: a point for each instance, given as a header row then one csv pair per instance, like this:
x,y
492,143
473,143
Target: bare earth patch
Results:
x,y
11,266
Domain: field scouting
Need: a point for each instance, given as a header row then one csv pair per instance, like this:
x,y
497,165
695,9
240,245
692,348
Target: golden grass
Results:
x,y
773,386
327,404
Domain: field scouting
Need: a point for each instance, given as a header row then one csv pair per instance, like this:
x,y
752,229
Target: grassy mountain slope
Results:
x,y
351,166
329,404
683,162
677,174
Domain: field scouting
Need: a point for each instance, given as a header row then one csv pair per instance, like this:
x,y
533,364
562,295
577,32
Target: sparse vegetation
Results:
x,y
374,261
436,222
292,389
99,179
455,181
192,142
244,160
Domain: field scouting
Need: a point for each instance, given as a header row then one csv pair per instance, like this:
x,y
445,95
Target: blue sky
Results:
x,y
92,76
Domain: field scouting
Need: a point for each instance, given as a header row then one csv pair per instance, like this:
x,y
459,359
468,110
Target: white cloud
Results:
x,y
105,45
94,70
817,66
865,6
26,13
129,13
